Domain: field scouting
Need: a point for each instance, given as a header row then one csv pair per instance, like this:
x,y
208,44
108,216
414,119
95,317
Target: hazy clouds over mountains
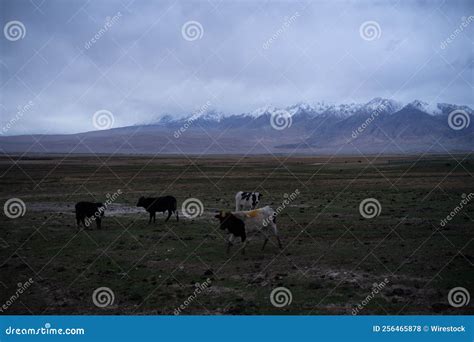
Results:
x,y
378,126
247,55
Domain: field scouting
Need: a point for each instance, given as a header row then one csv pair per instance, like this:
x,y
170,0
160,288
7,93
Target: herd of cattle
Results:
x,y
239,223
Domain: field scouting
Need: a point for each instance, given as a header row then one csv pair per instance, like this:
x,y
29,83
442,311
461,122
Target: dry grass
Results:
x,y
332,255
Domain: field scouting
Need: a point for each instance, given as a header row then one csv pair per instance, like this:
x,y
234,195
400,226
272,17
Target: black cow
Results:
x,y
89,211
161,204
234,225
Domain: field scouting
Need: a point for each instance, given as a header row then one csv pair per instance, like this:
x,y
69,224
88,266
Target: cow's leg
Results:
x,y
83,221
229,242
78,222
244,244
151,215
177,216
97,221
275,232
154,217
264,243
279,242
169,215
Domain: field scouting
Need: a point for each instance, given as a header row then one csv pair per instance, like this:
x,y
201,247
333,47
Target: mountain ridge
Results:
x,y
378,126
322,108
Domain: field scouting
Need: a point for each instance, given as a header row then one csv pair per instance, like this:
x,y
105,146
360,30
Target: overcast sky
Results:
x,y
145,63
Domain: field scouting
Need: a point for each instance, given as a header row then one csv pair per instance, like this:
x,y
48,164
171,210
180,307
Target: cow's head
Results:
x,y
256,196
141,202
221,215
223,218
230,222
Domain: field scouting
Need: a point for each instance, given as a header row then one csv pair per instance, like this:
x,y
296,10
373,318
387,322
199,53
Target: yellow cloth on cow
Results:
x,y
252,213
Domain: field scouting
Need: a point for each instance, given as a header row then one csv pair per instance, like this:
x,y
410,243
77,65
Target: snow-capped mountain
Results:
x,y
377,126
323,109
304,107
263,111
446,108
380,104
425,107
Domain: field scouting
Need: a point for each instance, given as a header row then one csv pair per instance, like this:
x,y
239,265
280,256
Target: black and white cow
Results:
x,y
247,200
244,223
87,212
160,204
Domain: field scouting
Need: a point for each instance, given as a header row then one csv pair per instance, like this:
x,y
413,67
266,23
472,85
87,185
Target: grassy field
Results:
x,y
332,256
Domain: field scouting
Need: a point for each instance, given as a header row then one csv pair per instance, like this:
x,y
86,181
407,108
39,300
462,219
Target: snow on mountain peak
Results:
x,y
447,108
262,111
379,103
425,107
299,108
211,115
339,111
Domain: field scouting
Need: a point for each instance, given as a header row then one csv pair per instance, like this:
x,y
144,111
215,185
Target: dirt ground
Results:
x,y
332,261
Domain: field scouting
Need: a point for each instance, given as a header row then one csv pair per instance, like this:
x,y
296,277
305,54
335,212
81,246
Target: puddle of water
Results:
x,y
114,209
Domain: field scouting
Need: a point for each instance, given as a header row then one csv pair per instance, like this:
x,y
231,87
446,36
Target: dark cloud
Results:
x,y
71,63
